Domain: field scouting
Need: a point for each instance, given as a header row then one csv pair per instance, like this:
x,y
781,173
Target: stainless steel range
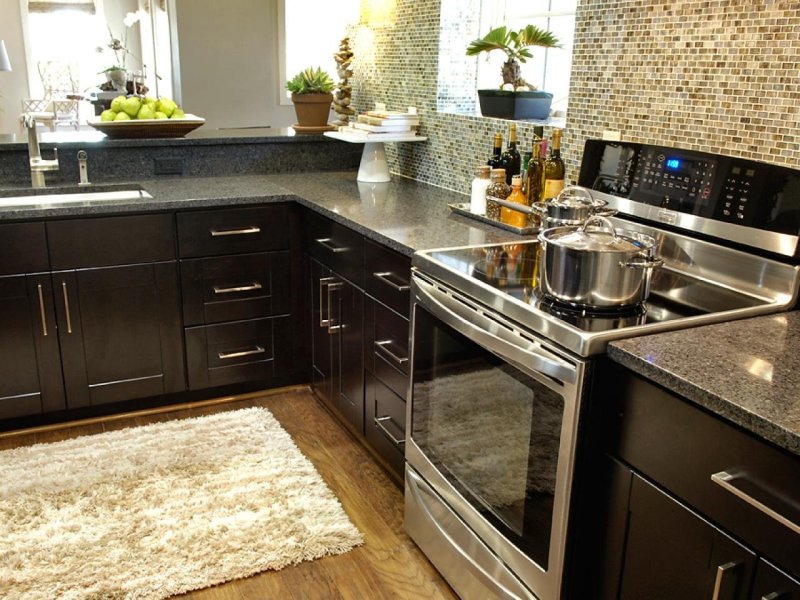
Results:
x,y
499,369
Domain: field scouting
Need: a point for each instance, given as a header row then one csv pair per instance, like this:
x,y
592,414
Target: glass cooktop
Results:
x,y
505,278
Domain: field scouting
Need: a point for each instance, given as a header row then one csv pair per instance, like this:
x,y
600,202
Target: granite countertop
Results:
x,y
405,215
746,371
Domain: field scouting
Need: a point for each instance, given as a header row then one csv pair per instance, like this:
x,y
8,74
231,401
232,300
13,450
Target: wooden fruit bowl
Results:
x,y
147,128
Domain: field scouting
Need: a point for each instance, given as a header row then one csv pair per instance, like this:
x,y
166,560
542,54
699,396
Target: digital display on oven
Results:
x,y
674,164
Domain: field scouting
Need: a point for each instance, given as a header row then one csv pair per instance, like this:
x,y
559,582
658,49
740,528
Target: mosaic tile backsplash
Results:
x,y
716,75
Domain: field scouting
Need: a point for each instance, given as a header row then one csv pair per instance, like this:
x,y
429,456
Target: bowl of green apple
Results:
x,y
144,117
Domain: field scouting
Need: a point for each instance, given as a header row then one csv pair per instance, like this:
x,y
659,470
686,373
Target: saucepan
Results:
x,y
596,267
572,206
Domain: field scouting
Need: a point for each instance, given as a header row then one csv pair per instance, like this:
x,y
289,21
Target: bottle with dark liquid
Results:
x,y
554,169
535,178
511,159
495,160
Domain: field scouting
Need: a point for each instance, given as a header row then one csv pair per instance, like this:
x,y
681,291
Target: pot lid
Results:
x,y
574,196
594,239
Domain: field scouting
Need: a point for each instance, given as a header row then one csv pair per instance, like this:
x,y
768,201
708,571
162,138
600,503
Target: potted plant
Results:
x,y
516,98
311,94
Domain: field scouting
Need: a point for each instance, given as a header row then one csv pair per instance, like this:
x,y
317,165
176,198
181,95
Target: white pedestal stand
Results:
x,y
373,167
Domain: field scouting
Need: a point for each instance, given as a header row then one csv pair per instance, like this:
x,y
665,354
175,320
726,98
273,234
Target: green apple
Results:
x,y
131,105
178,114
116,103
108,115
122,116
146,112
166,106
160,115
150,100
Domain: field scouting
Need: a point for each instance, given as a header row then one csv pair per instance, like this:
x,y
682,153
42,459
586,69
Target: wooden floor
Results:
x,y
388,565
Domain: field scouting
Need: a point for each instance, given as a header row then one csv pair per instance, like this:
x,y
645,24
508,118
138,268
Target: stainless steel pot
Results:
x,y
572,206
596,267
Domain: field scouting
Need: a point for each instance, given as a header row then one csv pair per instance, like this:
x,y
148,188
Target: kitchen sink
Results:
x,y
47,197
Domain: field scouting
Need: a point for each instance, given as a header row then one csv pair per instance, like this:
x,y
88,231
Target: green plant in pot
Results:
x,y
312,97
516,98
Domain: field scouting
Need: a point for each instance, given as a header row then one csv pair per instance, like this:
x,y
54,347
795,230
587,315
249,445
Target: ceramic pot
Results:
x,y
505,104
312,110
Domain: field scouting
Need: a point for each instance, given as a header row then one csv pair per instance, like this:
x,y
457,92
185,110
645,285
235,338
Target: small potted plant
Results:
x,y
516,98
312,97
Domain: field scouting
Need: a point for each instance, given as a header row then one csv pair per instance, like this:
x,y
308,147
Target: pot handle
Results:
x,y
601,211
642,261
540,208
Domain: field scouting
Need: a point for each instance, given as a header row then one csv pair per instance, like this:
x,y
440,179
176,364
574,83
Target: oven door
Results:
x,y
493,416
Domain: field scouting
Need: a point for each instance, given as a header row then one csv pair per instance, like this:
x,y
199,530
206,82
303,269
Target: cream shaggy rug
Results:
x,y
157,510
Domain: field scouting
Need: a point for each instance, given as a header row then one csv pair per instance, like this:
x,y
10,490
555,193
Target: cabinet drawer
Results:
x,y
386,347
386,423
241,351
336,247
681,447
388,277
233,288
108,241
233,231
23,248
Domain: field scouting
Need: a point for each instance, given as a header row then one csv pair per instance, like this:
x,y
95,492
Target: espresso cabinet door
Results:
x,y
670,552
337,314
30,368
120,332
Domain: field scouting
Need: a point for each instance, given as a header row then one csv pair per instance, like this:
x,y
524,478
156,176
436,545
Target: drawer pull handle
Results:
x,y
379,423
242,231
384,277
722,571
382,345
726,481
240,353
772,596
240,288
326,242
66,306
41,309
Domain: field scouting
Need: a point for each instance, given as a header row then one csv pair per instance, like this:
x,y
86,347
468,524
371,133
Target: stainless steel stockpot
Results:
x,y
572,206
596,267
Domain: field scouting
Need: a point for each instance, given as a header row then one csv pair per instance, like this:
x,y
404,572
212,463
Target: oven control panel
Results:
x,y
664,183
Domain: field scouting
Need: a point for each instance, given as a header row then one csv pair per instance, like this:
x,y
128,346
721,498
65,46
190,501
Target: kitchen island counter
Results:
x,y
746,371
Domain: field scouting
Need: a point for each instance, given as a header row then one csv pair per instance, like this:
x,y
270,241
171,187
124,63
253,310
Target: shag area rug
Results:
x,y
157,510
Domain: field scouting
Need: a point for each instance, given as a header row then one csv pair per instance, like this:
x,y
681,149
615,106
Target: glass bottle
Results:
x,y
511,160
554,169
535,179
495,158
509,216
526,159
477,200
497,189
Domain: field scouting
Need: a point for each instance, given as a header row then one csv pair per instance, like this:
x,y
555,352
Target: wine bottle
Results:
x,y
495,159
535,179
511,160
553,169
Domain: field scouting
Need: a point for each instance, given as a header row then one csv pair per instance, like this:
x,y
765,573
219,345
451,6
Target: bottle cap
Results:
x,y
498,173
482,171
516,181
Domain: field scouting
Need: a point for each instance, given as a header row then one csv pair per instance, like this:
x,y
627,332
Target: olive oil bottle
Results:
x,y
535,178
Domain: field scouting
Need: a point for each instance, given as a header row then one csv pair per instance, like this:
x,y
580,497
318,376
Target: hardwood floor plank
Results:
x,y
387,566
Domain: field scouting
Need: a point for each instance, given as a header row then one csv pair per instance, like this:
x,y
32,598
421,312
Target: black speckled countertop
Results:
x,y
746,371
404,214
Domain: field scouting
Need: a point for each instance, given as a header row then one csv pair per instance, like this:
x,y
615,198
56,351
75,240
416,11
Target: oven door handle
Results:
x,y
492,335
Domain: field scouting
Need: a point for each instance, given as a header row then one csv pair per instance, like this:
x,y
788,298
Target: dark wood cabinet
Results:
x,y
237,271
30,361
691,506
337,316
671,552
120,332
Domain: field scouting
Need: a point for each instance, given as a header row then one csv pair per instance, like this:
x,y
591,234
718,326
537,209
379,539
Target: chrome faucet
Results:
x,y
37,163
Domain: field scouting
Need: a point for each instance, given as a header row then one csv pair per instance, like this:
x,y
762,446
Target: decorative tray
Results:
x,y
147,128
463,209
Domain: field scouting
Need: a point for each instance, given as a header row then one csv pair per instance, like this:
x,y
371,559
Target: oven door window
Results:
x,y
491,430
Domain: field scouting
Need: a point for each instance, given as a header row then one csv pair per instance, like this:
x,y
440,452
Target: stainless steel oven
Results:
x,y
491,447
500,372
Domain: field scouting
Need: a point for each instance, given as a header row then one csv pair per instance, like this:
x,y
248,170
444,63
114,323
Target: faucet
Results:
x,y
83,171
37,163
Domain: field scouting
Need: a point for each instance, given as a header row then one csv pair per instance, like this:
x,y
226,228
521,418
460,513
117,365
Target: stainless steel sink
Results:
x,y
55,197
